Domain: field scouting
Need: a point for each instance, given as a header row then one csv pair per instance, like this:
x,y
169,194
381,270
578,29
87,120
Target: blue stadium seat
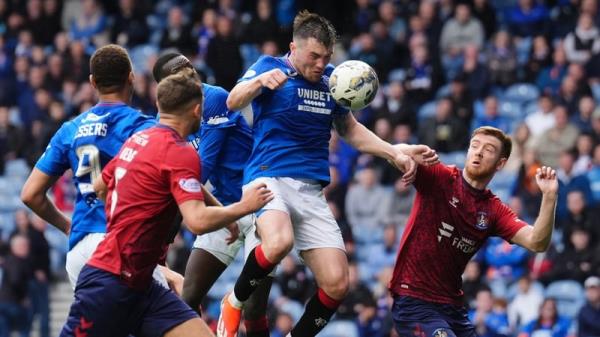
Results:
x,y
17,168
522,93
511,110
427,110
569,296
341,328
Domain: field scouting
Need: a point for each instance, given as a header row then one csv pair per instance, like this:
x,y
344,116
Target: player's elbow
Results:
x,y
232,102
539,247
29,196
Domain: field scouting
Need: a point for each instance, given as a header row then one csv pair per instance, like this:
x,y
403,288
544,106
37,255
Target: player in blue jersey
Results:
x,y
224,142
293,113
85,145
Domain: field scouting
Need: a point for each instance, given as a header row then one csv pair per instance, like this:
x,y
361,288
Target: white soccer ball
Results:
x,y
353,84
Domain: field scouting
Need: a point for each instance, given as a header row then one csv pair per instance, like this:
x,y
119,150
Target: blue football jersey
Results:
x,y
224,143
292,125
85,145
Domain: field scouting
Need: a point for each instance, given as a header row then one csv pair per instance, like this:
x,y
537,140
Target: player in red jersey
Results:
x,y
452,216
155,175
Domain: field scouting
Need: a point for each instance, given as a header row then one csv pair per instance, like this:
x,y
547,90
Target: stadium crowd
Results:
x,y
530,68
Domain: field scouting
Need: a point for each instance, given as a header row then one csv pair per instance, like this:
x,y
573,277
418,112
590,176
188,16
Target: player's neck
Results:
x,y
113,97
477,183
182,128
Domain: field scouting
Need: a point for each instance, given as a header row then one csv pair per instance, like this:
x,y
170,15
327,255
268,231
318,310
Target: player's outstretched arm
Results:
x,y
244,92
211,200
366,141
34,195
422,154
174,279
202,219
537,238
101,189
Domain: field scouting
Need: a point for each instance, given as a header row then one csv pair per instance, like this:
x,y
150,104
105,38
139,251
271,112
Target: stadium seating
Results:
x,y
569,296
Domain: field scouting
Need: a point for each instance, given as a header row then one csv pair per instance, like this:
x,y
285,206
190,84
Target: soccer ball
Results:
x,y
353,84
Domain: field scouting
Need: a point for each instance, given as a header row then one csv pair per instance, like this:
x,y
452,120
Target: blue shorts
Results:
x,y
418,318
105,306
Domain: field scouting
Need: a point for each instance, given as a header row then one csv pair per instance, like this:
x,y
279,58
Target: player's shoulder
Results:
x,y
66,132
328,69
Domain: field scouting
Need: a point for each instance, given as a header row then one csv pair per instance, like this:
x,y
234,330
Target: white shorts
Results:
x,y
303,199
83,250
216,244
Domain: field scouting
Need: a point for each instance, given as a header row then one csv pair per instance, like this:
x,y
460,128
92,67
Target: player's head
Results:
x,y
169,64
179,96
489,150
312,45
111,71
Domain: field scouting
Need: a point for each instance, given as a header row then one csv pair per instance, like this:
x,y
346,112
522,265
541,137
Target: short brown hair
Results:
x,y
500,135
307,24
110,67
177,92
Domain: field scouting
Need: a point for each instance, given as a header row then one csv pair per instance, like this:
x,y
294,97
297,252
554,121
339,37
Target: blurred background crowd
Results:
x,y
530,68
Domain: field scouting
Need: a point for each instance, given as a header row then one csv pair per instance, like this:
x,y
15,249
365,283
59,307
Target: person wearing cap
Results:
x,y
589,316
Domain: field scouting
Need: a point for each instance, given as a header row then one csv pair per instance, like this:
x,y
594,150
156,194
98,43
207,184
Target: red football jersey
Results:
x,y
449,222
155,171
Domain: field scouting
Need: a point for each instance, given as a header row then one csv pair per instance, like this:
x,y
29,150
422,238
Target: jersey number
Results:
x,y
119,173
89,163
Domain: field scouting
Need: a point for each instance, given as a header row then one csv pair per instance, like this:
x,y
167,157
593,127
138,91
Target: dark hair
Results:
x,y
178,91
307,24
500,135
110,67
169,64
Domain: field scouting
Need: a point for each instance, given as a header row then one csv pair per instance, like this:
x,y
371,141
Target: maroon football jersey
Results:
x,y
449,222
155,171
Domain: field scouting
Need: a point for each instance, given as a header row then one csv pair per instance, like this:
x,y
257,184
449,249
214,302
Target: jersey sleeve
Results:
x,y
55,160
182,164
507,223
213,139
262,65
136,122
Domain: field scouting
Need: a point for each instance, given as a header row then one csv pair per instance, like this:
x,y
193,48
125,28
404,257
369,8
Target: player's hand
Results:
x,y
256,197
273,79
405,164
422,154
545,177
234,233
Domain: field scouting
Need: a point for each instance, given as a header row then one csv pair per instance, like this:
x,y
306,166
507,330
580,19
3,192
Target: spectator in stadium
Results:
x,y
583,118
584,146
129,24
422,76
520,137
574,263
177,34
549,322
584,41
293,280
263,25
489,316
462,101
506,263
524,307
502,60
543,118
579,215
383,255
568,182
40,283
491,116
14,300
90,25
399,204
12,139
588,319
550,78
223,54
562,137
472,281
476,73
396,106
284,323
443,131
363,203
539,58
528,18
460,31
593,175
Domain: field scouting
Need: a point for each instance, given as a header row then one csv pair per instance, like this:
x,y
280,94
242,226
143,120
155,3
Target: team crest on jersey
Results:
x,y
191,185
440,333
92,117
482,221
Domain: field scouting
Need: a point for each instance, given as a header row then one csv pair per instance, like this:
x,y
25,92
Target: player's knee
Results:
x,y
278,247
336,287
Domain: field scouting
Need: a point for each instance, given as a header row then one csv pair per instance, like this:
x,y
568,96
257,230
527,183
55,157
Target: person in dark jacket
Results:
x,y
589,315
